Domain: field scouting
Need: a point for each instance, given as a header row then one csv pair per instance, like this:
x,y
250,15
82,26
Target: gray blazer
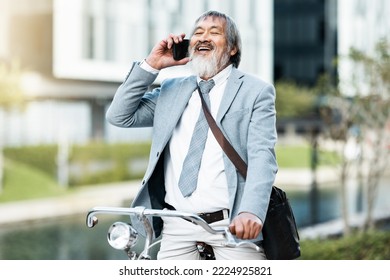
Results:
x,y
246,117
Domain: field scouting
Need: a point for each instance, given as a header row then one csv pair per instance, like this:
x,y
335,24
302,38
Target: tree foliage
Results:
x,y
11,93
293,100
364,119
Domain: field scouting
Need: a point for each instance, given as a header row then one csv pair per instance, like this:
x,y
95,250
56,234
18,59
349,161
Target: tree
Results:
x,y
293,100
362,120
297,105
10,95
373,117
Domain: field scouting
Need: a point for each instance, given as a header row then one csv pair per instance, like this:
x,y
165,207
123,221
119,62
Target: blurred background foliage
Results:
x,y
94,163
31,171
11,93
294,100
371,245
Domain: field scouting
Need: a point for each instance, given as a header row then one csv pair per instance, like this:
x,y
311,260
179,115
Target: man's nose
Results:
x,y
205,37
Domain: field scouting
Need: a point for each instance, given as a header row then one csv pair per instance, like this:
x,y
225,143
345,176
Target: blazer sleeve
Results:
x,y
262,164
132,105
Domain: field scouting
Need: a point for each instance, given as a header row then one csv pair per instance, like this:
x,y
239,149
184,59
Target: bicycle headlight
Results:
x,y
122,236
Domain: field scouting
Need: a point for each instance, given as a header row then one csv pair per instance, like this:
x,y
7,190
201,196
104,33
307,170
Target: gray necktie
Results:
x,y
189,174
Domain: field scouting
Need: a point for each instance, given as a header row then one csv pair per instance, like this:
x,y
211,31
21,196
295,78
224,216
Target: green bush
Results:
x,y
373,245
115,161
93,163
41,157
103,151
100,162
293,100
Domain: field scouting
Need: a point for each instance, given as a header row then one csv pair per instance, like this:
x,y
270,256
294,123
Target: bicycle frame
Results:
x,y
142,215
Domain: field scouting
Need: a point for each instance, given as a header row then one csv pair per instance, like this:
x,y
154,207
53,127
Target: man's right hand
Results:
x,y
161,55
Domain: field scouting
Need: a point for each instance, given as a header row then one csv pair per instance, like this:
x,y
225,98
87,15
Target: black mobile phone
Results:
x,y
180,50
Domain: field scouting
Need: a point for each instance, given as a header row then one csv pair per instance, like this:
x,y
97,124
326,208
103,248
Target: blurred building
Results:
x,y
58,108
305,40
75,53
362,24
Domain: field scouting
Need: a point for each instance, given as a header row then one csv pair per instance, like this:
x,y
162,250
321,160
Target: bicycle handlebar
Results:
x,y
142,213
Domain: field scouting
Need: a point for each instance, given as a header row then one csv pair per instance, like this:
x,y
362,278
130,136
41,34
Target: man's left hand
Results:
x,y
246,226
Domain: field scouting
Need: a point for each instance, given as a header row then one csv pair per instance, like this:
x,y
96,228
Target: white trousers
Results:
x,y
179,239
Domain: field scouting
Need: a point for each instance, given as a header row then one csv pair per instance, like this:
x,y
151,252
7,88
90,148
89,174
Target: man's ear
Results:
x,y
233,51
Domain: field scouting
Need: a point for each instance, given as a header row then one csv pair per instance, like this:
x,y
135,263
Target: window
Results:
x,y
98,39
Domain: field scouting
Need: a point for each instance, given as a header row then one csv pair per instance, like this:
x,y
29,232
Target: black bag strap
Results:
x,y
222,141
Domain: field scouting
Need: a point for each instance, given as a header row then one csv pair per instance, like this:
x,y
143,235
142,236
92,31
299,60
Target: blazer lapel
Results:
x,y
182,97
178,104
232,87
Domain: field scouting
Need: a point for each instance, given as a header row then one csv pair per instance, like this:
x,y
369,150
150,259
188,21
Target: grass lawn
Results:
x,y
301,156
26,182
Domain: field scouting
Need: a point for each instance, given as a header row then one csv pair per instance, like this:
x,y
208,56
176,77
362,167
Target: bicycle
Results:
x,y
123,236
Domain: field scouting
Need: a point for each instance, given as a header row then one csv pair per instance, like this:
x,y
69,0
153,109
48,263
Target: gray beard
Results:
x,y
205,67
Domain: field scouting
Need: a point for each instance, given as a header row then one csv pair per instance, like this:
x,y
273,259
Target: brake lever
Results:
x,y
231,242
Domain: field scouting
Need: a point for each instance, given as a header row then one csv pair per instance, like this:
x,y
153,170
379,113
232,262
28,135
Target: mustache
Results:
x,y
205,45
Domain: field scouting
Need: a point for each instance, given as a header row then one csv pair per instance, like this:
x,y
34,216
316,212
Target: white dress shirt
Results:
x,y
211,193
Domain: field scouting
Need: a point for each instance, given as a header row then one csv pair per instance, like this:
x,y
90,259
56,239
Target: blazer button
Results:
x,y
158,153
143,182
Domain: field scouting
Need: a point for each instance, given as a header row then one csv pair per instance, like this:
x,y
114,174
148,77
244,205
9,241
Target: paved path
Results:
x,y
336,227
76,203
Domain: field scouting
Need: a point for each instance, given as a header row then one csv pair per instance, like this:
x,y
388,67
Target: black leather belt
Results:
x,y
215,216
208,217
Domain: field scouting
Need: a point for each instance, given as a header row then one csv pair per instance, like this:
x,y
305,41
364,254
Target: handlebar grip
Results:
x,y
231,242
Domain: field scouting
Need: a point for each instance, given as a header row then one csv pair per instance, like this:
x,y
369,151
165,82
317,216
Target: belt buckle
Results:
x,y
225,214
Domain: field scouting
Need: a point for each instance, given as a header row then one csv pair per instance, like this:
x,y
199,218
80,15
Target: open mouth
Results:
x,y
202,48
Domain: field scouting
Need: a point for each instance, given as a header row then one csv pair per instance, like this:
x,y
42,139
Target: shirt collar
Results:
x,y
221,76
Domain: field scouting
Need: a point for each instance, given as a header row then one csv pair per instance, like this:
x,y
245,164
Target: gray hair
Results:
x,y
232,33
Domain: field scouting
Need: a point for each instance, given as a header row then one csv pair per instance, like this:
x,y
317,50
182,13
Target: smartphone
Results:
x,y
180,50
